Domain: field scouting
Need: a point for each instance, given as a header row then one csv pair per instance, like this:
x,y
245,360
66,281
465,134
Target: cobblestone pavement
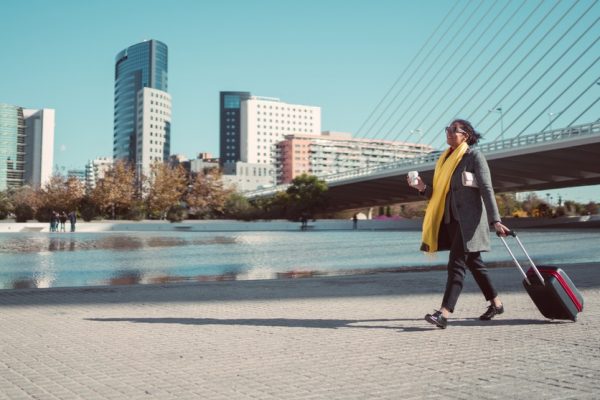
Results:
x,y
352,337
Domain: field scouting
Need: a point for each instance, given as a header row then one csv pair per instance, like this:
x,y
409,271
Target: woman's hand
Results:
x,y
420,185
502,230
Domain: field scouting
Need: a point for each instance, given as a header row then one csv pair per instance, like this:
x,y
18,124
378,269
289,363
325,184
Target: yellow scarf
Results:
x,y
444,168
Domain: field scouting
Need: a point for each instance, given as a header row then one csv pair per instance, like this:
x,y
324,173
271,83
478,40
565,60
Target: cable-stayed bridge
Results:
x,y
547,160
525,73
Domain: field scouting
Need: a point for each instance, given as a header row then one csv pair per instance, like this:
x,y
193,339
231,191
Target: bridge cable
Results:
x,y
527,54
417,81
403,73
542,75
484,48
557,97
532,67
452,70
506,42
595,82
590,106
418,68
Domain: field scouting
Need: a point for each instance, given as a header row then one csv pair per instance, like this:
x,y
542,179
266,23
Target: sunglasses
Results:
x,y
454,130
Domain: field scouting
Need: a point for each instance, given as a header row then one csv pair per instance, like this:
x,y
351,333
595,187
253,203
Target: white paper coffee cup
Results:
x,y
413,175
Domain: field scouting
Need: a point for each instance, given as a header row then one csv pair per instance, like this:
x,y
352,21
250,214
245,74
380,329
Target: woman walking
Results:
x,y
458,218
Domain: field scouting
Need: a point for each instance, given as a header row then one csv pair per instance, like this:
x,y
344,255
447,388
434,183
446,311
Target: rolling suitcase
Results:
x,y
549,287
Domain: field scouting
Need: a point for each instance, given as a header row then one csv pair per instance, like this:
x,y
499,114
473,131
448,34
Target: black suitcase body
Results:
x,y
557,297
550,288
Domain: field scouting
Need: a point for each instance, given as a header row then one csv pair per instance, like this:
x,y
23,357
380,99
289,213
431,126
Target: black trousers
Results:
x,y
458,263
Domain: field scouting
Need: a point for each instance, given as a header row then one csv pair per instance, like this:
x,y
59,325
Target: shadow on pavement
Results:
x,y
394,324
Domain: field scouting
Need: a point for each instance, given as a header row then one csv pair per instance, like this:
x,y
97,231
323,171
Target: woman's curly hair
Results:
x,y
472,135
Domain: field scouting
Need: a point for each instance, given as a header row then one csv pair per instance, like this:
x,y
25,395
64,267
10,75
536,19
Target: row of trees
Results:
x,y
534,206
508,205
171,193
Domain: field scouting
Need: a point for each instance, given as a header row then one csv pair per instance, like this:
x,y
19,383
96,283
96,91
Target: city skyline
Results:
x,y
341,56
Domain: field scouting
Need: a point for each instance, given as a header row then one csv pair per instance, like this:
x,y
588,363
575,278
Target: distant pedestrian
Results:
x,y
63,220
72,220
354,222
304,222
53,221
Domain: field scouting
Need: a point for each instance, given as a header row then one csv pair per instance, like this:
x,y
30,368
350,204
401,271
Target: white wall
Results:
x,y
40,126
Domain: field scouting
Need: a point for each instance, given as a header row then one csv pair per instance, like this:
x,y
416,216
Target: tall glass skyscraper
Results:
x,y
12,146
142,65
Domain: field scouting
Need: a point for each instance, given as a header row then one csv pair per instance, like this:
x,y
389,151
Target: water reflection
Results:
x,y
37,260
135,277
295,274
72,242
23,283
125,278
118,243
61,244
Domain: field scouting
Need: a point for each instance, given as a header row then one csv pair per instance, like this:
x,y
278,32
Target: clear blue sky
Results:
x,y
341,55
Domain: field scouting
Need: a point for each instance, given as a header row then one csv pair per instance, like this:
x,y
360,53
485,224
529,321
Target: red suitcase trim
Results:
x,y
565,286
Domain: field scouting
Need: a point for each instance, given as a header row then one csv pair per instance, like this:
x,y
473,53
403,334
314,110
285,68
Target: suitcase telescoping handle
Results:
x,y
535,269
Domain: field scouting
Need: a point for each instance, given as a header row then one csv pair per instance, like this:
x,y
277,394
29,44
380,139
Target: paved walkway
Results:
x,y
354,337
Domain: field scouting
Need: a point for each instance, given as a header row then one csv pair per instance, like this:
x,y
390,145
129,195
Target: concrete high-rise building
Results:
x,y
230,136
265,122
153,129
142,65
334,152
95,170
26,146
39,146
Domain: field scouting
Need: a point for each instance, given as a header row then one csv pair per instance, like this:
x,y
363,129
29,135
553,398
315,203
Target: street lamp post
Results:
x,y
550,115
499,110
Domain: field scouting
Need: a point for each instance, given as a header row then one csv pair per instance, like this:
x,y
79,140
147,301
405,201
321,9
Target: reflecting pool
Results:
x,y
115,258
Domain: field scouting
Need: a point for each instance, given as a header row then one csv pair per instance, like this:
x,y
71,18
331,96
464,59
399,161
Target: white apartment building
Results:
x,y
334,152
153,127
39,146
265,121
95,170
247,176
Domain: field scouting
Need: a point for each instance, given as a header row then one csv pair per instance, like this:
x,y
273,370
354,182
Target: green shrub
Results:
x,y
177,213
137,212
23,212
43,214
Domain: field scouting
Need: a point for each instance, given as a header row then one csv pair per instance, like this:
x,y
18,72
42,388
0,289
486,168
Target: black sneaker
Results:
x,y
491,312
437,319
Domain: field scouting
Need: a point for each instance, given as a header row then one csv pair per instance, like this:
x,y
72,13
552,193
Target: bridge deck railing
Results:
x,y
495,146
